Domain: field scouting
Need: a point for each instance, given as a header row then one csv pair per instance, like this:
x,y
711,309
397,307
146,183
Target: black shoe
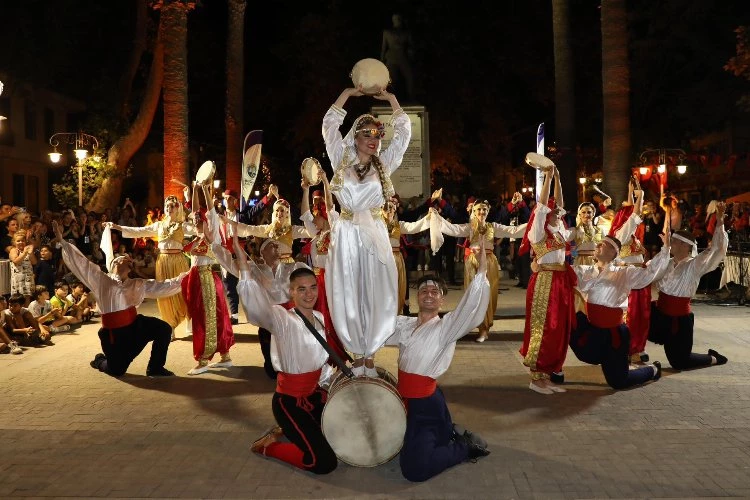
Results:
x,y
720,360
97,361
557,377
644,358
475,451
657,364
473,438
159,372
235,321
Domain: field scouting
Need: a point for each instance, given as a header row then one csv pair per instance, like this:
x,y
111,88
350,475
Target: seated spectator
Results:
x,y
21,326
45,269
6,343
60,301
46,315
80,298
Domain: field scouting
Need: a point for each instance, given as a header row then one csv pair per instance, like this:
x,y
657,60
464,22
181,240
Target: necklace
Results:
x,y
362,170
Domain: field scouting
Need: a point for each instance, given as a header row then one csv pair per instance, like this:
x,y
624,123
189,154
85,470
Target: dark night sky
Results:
x,y
484,68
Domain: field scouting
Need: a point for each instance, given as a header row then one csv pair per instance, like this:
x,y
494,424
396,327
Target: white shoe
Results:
x,y
358,371
221,364
198,370
14,349
419,267
540,390
555,388
371,372
481,338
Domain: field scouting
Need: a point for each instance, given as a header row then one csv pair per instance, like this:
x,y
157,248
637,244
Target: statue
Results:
x,y
396,52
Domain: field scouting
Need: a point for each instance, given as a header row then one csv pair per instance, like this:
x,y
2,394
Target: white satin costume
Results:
x,y
361,277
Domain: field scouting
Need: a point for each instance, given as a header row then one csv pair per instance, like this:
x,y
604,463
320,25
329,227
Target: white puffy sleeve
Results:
x,y
711,257
140,232
394,153
503,231
332,120
469,312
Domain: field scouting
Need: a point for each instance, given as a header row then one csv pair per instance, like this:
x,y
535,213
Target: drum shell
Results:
x,y
364,419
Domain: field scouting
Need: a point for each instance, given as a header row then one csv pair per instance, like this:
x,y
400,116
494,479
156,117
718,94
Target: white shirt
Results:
x,y
37,310
293,348
112,294
428,349
152,230
610,285
625,234
537,234
682,279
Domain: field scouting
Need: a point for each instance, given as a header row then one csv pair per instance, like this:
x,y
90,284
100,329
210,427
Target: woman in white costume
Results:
x,y
361,274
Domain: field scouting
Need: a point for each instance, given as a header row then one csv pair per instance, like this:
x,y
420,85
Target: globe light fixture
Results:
x,y
582,180
643,170
681,169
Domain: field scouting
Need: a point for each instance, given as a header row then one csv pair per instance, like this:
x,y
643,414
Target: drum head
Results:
x,y
539,162
372,75
364,421
309,170
206,172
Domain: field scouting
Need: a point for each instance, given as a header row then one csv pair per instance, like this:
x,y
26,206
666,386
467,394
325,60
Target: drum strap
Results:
x,y
335,357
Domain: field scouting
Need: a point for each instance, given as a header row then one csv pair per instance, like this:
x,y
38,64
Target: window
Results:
x,y
29,112
32,201
49,123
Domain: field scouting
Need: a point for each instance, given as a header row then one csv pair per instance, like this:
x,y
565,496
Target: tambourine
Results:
x,y
539,162
310,171
372,75
206,173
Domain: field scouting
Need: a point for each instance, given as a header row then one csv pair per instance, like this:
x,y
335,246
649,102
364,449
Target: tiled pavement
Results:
x,y
68,431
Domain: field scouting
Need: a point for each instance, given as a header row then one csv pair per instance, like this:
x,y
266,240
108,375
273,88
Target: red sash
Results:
x,y
603,316
411,385
298,385
119,319
673,306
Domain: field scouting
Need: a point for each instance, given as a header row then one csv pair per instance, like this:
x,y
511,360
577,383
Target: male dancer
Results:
x,y
300,361
601,336
426,346
124,332
671,318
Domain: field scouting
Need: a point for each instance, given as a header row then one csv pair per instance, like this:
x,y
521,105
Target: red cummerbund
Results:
x,y
673,306
603,316
298,385
411,385
119,319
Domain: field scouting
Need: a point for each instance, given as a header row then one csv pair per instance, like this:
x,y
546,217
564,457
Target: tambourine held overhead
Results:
x,y
206,173
539,162
310,171
372,75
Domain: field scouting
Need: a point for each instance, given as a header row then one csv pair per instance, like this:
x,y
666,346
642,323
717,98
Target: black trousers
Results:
x,y
523,268
608,347
233,298
264,338
676,333
122,345
299,418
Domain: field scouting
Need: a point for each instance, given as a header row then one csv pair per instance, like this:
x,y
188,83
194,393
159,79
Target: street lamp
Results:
x,y
80,140
661,170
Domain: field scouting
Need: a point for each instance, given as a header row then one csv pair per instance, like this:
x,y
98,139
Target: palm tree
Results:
x,y
616,164
564,99
175,89
233,112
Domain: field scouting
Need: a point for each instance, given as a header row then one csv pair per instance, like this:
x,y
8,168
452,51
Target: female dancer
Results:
x,y
170,231
204,291
360,259
476,231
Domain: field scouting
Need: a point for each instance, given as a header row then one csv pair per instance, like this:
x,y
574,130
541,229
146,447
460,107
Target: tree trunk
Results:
x,y
616,158
175,87
233,112
564,101
134,61
125,147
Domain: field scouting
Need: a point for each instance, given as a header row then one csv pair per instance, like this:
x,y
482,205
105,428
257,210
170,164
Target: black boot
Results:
x,y
472,437
475,451
657,364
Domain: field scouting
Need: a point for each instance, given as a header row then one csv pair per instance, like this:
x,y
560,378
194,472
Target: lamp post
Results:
x,y
662,168
1,116
81,141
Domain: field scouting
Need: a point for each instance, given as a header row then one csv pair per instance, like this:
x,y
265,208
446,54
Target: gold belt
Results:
x,y
170,251
377,213
552,267
286,258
